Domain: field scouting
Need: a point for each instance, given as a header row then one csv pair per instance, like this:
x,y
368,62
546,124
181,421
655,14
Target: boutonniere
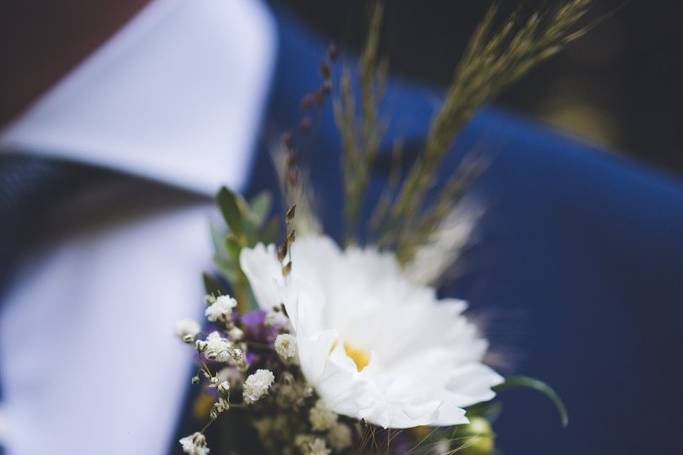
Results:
x,y
319,347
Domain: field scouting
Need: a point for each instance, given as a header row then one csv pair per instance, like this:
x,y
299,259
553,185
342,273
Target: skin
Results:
x,y
43,39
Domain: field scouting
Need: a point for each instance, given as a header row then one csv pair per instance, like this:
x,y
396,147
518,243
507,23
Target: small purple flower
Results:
x,y
255,328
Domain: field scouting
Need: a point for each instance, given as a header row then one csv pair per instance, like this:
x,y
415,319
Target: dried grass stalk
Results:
x,y
495,58
360,139
492,61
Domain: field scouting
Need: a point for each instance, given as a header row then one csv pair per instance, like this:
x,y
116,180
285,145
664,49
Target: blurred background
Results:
x,y
619,87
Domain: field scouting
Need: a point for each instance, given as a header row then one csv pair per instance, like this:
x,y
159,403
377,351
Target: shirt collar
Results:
x,y
175,96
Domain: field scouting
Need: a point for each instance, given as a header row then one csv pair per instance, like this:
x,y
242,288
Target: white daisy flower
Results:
x,y
221,308
257,385
195,444
445,245
373,344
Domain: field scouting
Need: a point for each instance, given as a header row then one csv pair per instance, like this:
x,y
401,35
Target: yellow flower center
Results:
x,y
359,356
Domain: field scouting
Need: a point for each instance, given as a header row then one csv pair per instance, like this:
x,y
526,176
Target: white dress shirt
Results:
x,y
89,360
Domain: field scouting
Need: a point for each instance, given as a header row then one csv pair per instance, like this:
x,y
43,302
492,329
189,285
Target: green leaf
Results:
x,y
260,207
217,237
233,248
230,208
228,272
515,382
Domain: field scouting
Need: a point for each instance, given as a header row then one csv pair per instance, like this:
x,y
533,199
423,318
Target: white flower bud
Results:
x,y
311,445
187,330
221,405
340,437
257,385
224,388
285,346
238,358
221,308
235,334
321,418
215,347
195,444
318,447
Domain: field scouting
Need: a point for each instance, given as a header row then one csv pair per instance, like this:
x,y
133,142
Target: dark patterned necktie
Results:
x,y
31,190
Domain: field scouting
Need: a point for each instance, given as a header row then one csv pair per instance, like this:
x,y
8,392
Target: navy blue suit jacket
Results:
x,y
578,263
